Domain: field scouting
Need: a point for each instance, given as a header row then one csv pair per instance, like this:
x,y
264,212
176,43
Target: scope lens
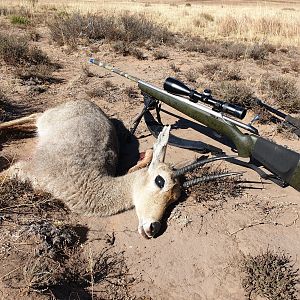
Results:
x,y
234,110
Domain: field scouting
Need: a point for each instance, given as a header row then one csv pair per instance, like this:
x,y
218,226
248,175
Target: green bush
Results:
x,y
19,20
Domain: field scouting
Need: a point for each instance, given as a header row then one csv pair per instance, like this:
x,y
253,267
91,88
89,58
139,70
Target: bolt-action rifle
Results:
x,y
280,161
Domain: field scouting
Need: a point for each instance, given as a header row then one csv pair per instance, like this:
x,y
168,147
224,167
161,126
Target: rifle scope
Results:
x,y
177,87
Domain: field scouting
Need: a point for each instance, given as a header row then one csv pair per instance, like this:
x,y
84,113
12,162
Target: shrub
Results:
x,y
138,28
207,17
295,66
16,51
122,48
257,51
192,74
161,54
13,50
138,53
235,92
131,92
125,49
196,44
174,67
232,50
283,90
270,275
218,70
19,20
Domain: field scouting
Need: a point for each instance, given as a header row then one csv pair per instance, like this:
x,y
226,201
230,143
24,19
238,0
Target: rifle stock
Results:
x,y
279,160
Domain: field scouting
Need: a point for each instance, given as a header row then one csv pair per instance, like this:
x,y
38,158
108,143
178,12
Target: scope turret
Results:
x,y
177,87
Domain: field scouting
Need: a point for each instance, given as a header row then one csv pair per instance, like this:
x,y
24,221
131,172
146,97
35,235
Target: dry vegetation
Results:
x,y
213,194
47,254
230,49
279,25
271,275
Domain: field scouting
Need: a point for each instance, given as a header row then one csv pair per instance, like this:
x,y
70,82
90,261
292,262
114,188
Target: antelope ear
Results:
x,y
159,148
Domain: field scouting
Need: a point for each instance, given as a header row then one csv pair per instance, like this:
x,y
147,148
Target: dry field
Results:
x,y
255,21
232,239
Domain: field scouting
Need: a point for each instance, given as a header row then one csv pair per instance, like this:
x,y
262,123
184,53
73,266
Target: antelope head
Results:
x,y
157,186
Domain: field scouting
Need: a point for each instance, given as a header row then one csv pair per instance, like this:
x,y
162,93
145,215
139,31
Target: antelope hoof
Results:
x,y
149,230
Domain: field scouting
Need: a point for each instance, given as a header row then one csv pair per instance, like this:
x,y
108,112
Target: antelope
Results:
x,y
75,160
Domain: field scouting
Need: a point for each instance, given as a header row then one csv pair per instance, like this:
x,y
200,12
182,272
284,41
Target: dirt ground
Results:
x,y
198,254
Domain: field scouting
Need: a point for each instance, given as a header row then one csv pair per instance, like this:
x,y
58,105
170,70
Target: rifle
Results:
x,y
289,121
280,161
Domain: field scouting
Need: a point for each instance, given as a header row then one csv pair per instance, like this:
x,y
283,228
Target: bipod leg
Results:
x,y
137,120
149,103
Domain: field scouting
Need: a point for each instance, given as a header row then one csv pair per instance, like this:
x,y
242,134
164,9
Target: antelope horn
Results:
x,y
198,164
207,178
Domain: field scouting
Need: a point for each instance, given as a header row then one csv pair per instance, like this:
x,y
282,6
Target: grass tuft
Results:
x,y
234,92
220,71
270,275
15,50
19,20
161,54
283,91
213,193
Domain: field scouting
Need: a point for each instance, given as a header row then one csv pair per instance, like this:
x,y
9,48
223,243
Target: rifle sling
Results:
x,y
155,128
259,171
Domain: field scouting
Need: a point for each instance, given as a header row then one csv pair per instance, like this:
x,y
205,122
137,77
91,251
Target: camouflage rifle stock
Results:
x,y
282,162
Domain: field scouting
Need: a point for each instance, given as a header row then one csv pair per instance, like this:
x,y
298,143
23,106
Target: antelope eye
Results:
x,y
159,181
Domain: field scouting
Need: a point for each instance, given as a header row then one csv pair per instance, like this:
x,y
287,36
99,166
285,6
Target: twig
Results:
x,y
91,267
14,270
25,205
265,223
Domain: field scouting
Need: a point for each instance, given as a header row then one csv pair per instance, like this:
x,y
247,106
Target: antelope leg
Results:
x,y
25,123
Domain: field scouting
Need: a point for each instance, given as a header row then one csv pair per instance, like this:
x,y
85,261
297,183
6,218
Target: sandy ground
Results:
x,y
197,254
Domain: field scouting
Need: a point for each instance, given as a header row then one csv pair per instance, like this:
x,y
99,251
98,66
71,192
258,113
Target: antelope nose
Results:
x,y
154,228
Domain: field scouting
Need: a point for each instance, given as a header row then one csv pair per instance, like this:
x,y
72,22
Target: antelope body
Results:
x,y
75,160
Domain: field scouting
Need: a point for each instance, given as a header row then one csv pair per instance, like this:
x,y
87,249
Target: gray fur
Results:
x,y
76,159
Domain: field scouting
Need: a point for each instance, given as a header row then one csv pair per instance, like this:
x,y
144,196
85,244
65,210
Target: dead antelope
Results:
x,y
75,160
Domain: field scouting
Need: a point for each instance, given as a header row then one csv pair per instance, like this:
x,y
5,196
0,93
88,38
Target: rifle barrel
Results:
x,y
113,69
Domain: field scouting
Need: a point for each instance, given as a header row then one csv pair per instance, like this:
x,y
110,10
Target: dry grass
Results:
x,y
275,24
220,71
129,28
282,90
214,193
230,50
125,49
270,275
234,92
47,254
29,62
